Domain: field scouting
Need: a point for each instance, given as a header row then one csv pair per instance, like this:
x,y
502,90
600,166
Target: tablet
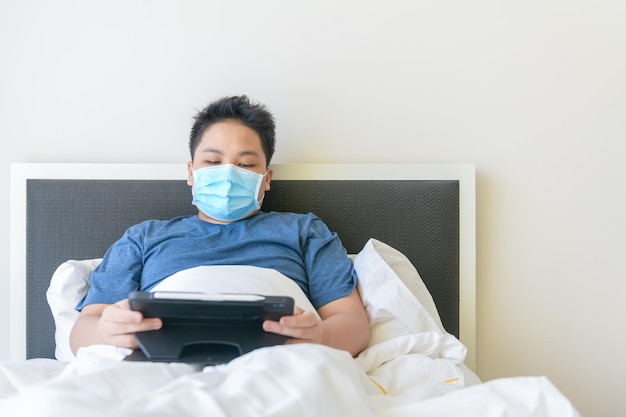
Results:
x,y
206,327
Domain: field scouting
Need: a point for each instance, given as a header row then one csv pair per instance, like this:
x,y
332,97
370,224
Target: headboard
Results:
x,y
76,211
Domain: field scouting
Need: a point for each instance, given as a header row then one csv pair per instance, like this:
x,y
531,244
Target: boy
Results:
x,y
231,145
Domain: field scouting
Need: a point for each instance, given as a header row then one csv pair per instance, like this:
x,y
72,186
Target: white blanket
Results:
x,y
300,380
412,366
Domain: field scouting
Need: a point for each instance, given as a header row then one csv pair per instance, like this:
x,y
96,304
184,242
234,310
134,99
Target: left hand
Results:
x,y
302,327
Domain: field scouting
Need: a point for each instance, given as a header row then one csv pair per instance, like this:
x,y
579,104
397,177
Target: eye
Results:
x,y
207,163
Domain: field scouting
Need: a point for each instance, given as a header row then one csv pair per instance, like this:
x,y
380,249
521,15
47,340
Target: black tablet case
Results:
x,y
207,332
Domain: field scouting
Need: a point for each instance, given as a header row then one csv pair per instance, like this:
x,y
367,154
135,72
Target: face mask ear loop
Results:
x,y
260,202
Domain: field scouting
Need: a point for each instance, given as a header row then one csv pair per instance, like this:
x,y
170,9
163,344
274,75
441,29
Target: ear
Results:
x,y
267,179
190,173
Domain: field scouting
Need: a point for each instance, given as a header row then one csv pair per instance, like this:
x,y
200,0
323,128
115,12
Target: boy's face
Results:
x,y
230,142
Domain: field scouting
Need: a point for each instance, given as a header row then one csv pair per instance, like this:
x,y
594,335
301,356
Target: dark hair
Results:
x,y
253,115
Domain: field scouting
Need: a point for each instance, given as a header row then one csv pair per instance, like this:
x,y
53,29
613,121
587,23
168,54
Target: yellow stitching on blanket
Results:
x,y
448,381
378,385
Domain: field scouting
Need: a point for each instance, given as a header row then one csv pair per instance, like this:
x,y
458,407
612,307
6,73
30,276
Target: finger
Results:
x,y
305,327
120,334
303,334
120,312
303,319
118,324
130,321
119,328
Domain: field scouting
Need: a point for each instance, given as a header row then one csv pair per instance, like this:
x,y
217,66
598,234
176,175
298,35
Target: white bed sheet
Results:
x,y
302,380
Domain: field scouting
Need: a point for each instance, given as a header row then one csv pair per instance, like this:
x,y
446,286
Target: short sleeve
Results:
x,y
119,273
331,274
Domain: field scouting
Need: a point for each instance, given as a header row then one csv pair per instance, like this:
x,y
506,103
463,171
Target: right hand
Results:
x,y
118,323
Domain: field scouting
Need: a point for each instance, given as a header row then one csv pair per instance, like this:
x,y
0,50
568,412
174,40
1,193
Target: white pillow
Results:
x,y
395,297
68,286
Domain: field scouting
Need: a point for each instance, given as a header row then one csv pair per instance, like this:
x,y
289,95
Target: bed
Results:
x,y
410,229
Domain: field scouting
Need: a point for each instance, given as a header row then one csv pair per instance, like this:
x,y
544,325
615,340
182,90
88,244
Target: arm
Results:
x,y
112,324
344,325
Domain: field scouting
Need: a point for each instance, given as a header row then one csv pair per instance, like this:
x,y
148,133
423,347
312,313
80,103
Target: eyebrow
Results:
x,y
217,151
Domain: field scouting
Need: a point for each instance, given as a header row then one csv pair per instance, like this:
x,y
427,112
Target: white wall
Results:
x,y
533,93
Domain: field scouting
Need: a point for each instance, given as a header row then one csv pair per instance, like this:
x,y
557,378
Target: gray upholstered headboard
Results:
x,y
415,208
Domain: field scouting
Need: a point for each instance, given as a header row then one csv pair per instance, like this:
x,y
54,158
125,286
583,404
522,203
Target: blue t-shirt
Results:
x,y
300,246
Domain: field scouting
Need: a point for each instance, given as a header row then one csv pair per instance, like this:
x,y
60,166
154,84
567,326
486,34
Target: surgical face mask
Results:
x,y
226,192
